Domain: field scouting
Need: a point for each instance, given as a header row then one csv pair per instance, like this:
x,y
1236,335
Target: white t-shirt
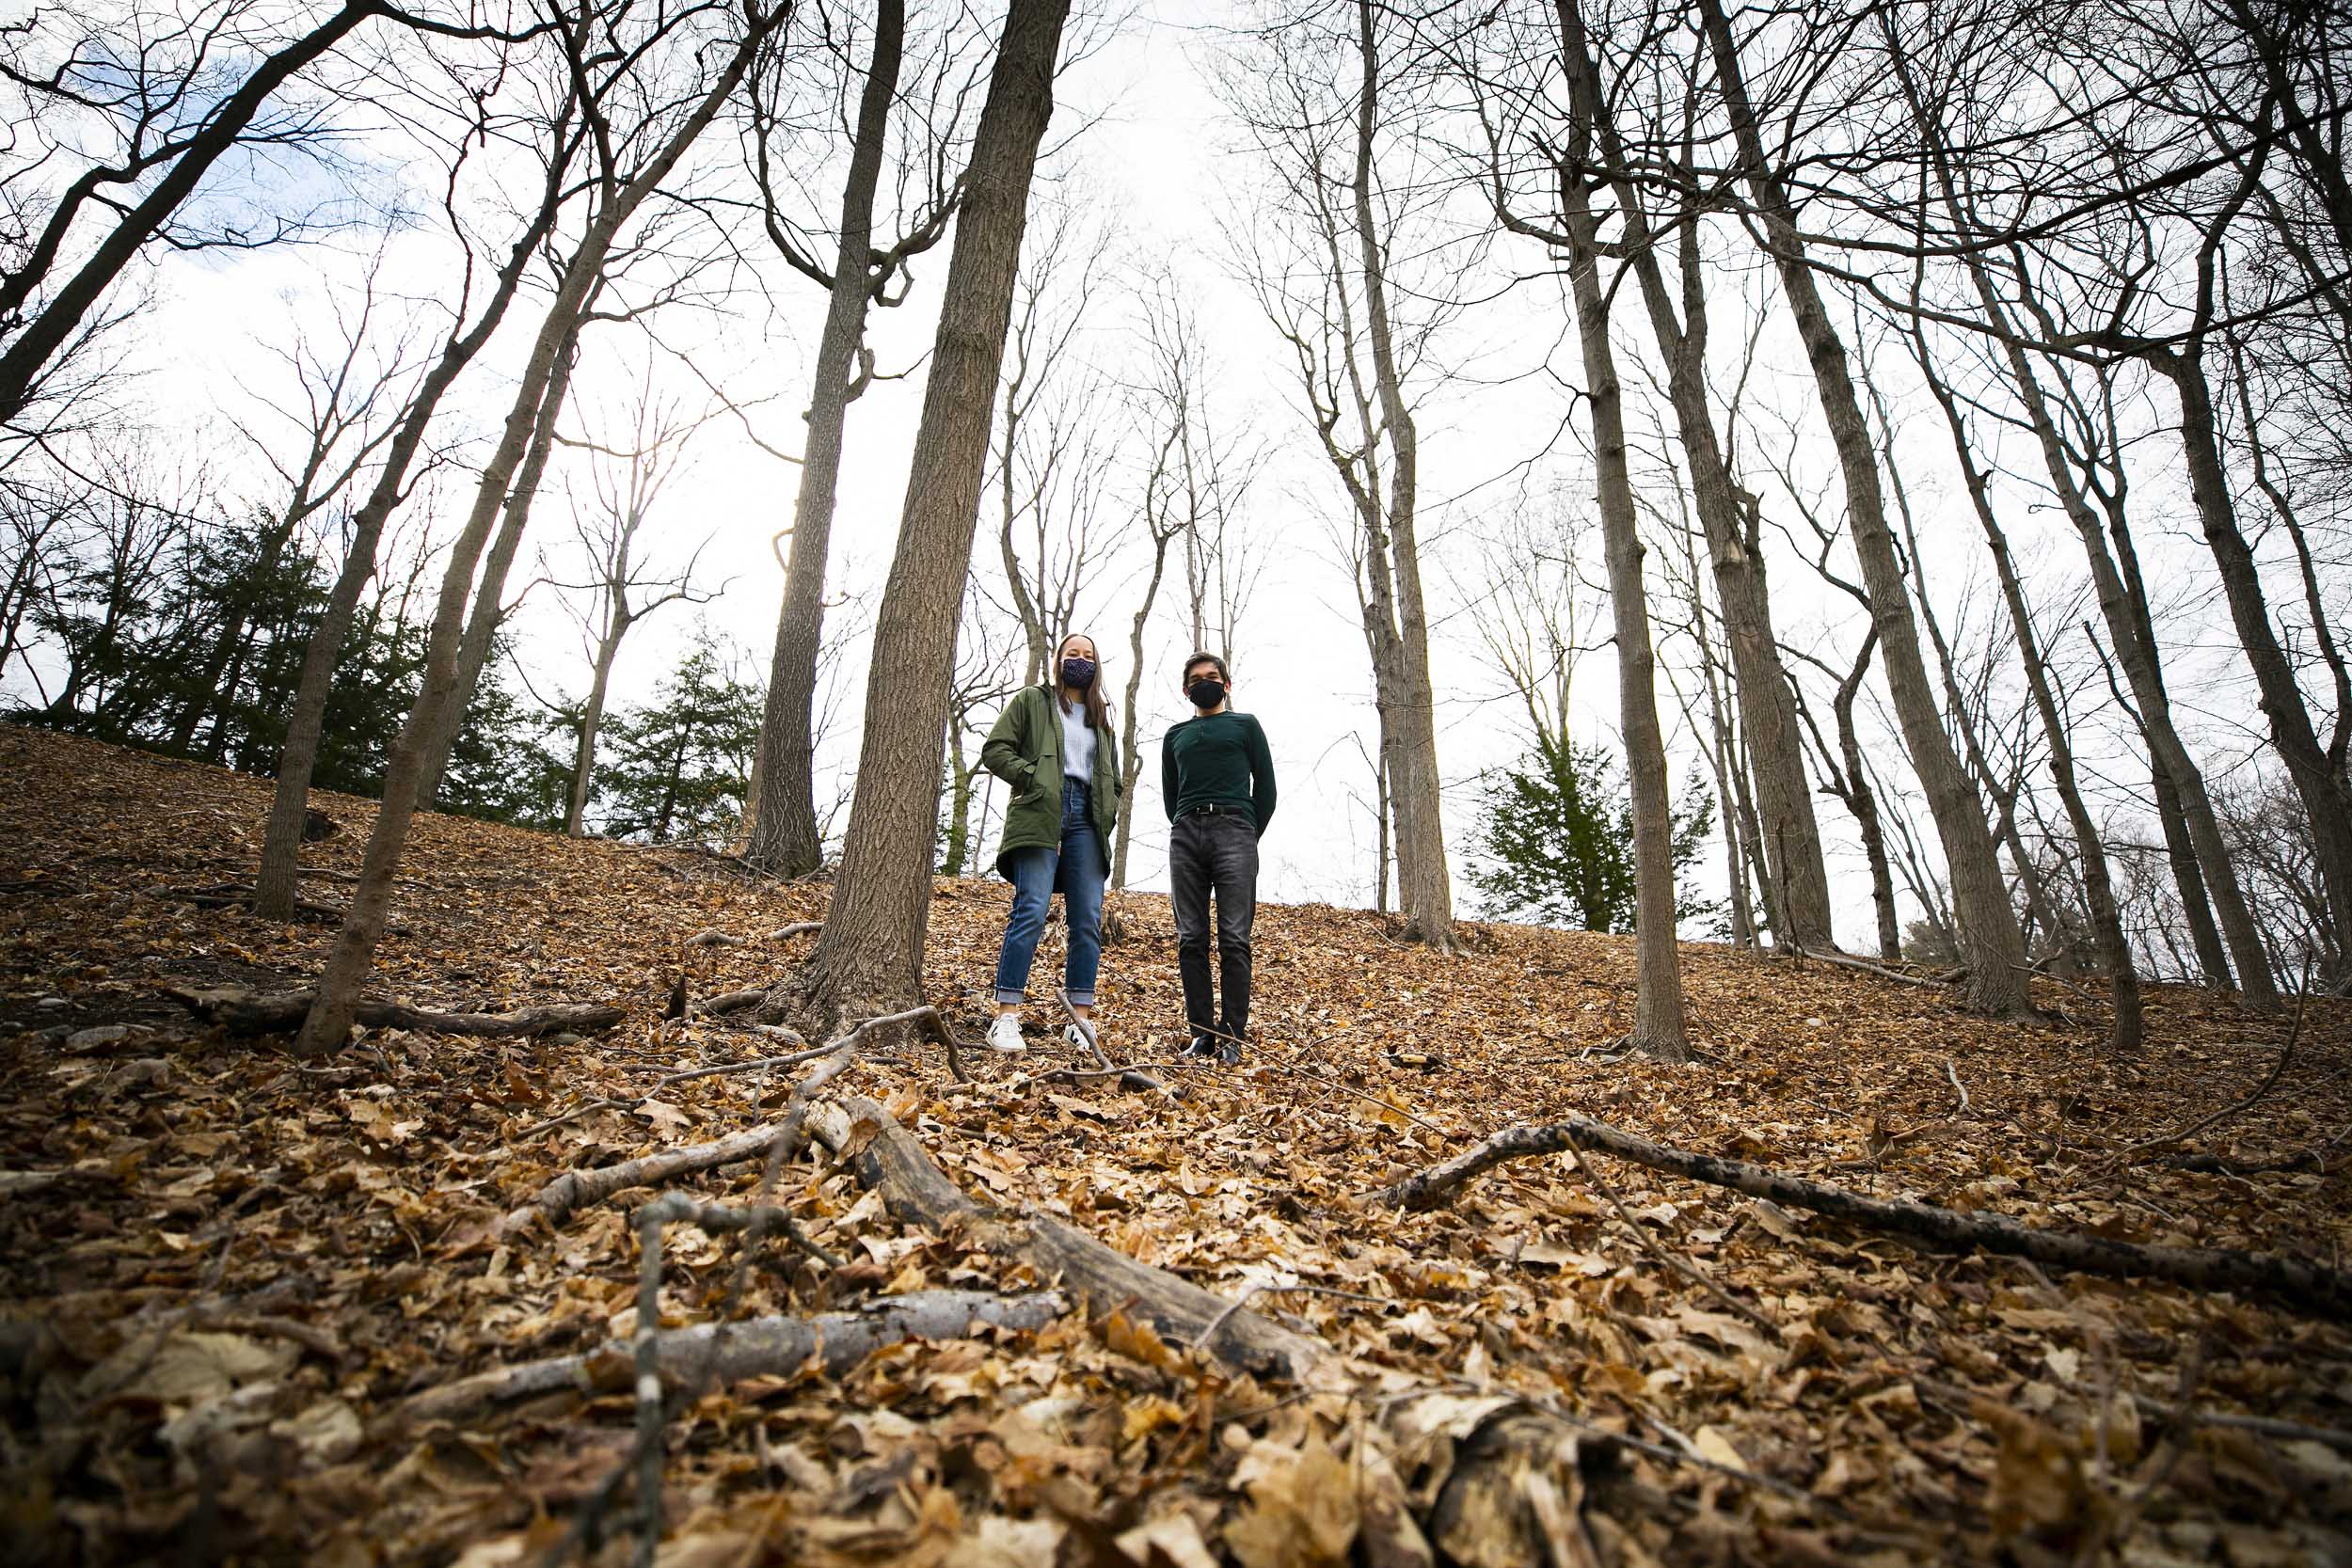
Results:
x,y
1077,741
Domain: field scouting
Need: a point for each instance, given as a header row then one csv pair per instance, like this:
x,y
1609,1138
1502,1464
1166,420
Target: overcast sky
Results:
x,y
1159,155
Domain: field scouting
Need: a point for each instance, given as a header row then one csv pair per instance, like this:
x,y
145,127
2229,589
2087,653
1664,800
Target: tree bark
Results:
x,y
2322,788
1990,942
1130,758
1659,1029
2128,1028
1424,884
784,836
329,1023
872,946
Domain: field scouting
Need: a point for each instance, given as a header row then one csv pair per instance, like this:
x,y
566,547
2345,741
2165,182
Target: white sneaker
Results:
x,y
1075,1039
1005,1033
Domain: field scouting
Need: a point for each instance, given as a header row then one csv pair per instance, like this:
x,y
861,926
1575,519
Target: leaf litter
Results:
x,y
226,1269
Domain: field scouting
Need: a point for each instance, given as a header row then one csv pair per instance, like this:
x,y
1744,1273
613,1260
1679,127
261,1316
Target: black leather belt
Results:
x,y
1215,811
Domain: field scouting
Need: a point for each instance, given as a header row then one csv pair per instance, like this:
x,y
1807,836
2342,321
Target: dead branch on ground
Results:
x,y
244,1012
2293,1279
755,1347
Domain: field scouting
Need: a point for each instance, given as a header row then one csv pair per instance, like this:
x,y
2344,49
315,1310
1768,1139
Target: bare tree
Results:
x,y
633,157
872,945
785,837
140,108
1053,453
1322,270
623,488
1993,945
562,133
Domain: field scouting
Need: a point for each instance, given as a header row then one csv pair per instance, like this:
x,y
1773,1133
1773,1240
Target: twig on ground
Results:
x,y
798,927
1132,1077
713,936
1208,1335
1954,1073
730,1001
2277,1070
1932,982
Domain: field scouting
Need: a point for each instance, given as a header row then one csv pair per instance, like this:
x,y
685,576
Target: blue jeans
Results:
x,y
1076,871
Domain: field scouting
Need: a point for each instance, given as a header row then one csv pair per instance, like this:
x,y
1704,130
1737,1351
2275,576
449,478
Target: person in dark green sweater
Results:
x,y
1217,778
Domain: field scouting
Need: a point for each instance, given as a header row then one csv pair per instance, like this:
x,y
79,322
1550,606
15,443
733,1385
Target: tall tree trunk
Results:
x,y
282,843
2322,788
872,947
2107,922
1991,944
591,718
2123,607
1796,874
489,607
1130,754
1426,886
1863,801
1659,1029
329,1024
784,836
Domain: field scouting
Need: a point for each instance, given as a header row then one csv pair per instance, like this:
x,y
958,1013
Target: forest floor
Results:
x,y
225,1268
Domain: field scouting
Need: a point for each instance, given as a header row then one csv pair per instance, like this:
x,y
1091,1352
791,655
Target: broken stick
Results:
x,y
755,1346
2293,1279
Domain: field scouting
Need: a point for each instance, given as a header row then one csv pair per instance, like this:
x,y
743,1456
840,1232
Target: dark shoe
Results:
x,y
1229,1047
1202,1048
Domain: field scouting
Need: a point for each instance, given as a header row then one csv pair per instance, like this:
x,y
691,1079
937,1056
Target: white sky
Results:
x,y
1155,156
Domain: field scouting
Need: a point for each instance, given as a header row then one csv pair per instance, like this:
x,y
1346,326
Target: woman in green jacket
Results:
x,y
1054,746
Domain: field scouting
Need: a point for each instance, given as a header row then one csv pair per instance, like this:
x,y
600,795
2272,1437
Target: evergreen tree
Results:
x,y
1555,841
678,765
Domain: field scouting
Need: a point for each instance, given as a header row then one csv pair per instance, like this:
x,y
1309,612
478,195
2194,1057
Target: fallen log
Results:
x,y
837,1342
245,1012
2292,1279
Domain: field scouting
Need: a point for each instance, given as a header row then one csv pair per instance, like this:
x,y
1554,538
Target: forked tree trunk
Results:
x,y
1659,1029
282,844
784,836
329,1024
1796,876
2213,957
1991,946
872,945
1424,884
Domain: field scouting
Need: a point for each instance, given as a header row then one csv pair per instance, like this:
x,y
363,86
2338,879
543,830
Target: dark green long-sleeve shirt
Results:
x,y
1218,759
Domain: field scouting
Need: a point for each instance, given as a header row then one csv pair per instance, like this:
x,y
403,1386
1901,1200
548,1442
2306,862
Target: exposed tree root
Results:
x,y
777,1345
577,1189
245,1012
2293,1279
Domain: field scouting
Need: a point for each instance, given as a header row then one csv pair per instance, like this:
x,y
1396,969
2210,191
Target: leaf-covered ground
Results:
x,y
225,1268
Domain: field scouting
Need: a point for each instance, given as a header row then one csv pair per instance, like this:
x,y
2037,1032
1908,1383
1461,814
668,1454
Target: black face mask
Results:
x,y
1077,674
1206,693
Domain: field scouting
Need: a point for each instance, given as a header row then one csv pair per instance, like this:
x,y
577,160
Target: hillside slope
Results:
x,y
226,1268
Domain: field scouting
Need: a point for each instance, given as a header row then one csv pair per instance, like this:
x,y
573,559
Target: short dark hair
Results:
x,y
1208,658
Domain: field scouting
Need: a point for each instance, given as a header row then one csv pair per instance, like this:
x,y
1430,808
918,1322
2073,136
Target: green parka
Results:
x,y
1023,749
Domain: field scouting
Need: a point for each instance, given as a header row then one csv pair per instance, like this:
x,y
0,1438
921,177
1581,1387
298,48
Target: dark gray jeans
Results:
x,y
1214,854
